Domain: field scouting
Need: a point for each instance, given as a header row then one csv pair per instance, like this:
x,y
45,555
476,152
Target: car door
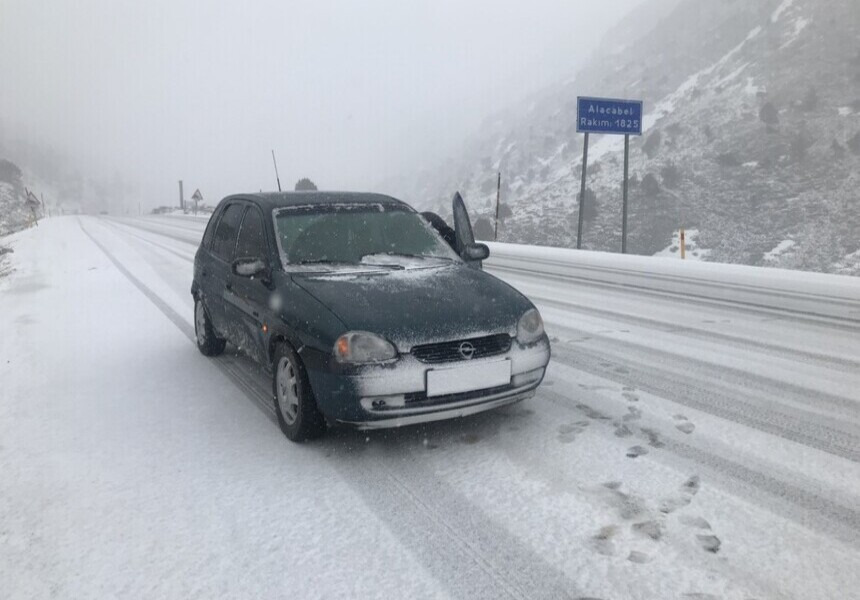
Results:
x,y
249,301
218,273
463,235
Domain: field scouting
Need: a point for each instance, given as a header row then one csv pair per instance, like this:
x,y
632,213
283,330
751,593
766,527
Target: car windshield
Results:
x,y
353,234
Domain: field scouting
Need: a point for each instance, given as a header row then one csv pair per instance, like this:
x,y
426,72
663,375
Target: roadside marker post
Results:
x,y
612,117
683,245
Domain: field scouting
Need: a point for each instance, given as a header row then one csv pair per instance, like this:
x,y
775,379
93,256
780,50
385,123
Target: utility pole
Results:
x,y
498,196
181,197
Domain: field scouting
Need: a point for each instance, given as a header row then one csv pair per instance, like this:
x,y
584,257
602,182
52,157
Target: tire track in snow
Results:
x,y
692,298
714,398
737,395
473,556
704,334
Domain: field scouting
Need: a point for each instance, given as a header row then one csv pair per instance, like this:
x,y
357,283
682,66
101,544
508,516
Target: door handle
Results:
x,y
205,273
255,313
229,286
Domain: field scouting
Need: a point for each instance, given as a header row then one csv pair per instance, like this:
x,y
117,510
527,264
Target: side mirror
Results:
x,y
474,252
248,267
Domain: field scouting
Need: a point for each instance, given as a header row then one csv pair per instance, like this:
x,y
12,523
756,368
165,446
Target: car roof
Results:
x,y
272,200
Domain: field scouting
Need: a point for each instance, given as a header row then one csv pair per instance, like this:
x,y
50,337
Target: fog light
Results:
x,y
527,377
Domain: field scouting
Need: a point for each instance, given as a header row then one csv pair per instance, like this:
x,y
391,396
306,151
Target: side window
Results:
x,y
252,240
210,229
224,240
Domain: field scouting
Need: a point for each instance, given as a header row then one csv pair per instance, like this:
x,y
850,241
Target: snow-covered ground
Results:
x,y
696,437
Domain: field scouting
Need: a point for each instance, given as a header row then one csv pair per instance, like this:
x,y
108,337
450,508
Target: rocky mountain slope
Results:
x,y
752,139
14,213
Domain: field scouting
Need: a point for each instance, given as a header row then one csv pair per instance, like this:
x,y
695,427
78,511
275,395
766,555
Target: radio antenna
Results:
x,y
277,177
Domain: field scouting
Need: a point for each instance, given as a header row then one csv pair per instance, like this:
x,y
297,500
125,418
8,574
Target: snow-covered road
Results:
x,y
697,436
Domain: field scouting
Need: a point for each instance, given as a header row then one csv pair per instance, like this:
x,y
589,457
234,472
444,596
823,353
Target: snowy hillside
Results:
x,y
752,139
14,214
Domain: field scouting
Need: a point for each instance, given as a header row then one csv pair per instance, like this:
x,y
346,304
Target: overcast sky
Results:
x,y
347,93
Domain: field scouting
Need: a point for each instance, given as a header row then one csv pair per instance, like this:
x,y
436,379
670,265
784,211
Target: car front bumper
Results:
x,y
394,395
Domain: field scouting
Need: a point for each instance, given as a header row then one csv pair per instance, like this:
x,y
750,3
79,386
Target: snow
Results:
x,y
751,89
799,25
845,111
668,104
132,465
783,7
780,249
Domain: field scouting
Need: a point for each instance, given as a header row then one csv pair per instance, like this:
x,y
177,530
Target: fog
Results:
x,y
348,94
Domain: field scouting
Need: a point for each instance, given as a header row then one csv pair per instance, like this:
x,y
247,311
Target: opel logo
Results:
x,y
467,350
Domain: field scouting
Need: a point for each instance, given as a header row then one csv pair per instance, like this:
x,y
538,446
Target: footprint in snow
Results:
x,y
622,431
636,451
622,370
691,486
651,529
688,489
685,425
603,540
638,557
653,437
630,396
567,433
628,505
633,414
591,413
710,543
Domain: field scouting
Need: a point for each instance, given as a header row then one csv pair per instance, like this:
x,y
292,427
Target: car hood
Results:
x,y
419,305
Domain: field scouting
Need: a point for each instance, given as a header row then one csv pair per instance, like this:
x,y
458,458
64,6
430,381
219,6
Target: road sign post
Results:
x,y
582,193
498,196
613,117
197,197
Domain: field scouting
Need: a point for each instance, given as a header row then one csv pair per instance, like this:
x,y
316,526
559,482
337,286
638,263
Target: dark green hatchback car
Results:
x,y
362,312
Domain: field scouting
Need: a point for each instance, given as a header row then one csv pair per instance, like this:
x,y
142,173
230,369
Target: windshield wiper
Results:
x,y
321,261
405,254
328,261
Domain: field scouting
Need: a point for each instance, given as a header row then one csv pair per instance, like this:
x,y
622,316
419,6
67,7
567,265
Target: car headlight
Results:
x,y
530,327
363,347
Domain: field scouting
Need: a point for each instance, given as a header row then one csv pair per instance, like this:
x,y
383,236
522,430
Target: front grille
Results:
x,y
413,398
482,347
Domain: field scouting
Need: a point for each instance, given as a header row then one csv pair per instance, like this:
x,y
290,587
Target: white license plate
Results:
x,y
467,378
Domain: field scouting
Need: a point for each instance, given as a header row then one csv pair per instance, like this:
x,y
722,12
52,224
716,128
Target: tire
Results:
x,y
298,415
208,342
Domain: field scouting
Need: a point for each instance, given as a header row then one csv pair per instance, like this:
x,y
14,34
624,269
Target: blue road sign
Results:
x,y
608,115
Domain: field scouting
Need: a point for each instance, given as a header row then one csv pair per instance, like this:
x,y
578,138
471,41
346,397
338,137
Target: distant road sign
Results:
x,y
197,195
608,115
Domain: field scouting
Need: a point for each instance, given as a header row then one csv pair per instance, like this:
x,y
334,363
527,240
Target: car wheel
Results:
x,y
295,405
208,343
